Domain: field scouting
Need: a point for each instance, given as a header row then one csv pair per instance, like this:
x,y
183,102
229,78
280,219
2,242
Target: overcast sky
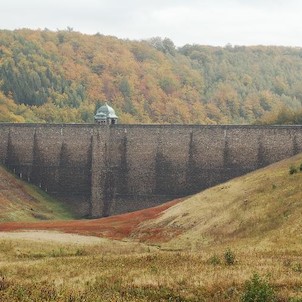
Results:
x,y
206,22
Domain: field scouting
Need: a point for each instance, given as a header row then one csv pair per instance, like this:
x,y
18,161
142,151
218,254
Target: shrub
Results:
x,y
258,290
229,257
300,168
292,170
214,260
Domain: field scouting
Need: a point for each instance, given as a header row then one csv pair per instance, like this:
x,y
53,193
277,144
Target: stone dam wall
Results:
x,y
105,170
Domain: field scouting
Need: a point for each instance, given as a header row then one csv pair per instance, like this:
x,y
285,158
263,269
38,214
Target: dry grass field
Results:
x,y
50,270
239,241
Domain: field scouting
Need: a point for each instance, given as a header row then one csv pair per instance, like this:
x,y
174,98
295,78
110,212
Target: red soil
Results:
x,y
115,227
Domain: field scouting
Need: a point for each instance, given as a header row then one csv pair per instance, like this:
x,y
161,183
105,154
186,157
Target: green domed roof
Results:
x,y
105,111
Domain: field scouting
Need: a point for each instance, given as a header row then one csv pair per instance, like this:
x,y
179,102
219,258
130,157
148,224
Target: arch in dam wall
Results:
x,y
104,170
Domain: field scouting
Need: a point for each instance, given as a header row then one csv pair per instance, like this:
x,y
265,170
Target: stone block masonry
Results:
x,y
104,170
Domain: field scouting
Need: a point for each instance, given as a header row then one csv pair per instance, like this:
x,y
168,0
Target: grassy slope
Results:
x,y
20,201
263,207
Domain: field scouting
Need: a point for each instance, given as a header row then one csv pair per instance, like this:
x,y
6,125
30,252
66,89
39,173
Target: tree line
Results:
x,y
64,76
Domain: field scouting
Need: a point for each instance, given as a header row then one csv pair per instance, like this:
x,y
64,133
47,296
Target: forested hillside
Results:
x,y
64,76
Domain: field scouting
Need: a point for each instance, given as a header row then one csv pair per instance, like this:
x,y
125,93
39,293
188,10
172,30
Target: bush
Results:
x,y
258,290
214,260
292,170
229,257
300,168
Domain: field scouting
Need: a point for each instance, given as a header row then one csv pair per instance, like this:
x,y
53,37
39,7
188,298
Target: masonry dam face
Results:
x,y
104,170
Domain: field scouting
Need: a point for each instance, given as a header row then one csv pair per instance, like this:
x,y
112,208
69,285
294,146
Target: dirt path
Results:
x,y
53,236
